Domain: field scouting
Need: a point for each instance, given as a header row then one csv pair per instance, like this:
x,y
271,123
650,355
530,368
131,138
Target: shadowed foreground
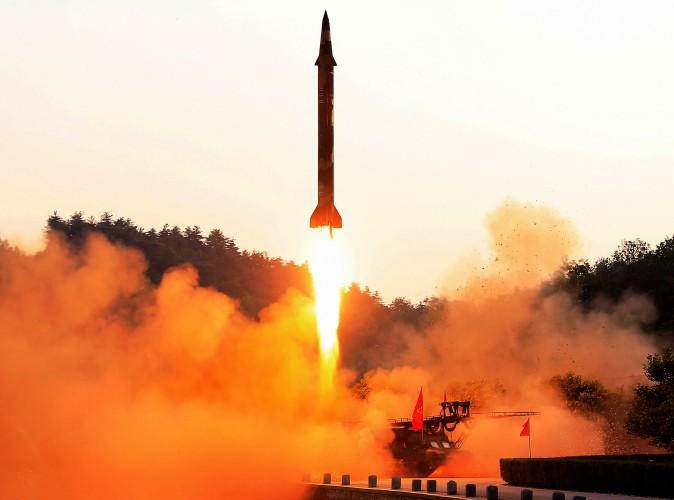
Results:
x,y
359,491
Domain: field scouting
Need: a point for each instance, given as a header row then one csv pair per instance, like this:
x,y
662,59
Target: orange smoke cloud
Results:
x,y
502,337
527,243
113,388
502,321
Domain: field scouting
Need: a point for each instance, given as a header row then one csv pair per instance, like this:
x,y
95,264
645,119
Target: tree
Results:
x,y
193,236
609,409
106,219
56,222
216,240
630,252
652,413
77,227
585,396
634,267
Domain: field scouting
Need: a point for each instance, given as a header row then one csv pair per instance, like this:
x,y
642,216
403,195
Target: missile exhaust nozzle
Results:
x,y
325,216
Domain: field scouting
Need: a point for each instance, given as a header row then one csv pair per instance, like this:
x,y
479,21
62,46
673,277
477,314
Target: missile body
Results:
x,y
325,214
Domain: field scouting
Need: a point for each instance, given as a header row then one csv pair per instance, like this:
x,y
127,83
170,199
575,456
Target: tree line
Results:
x,y
633,267
253,278
368,325
256,280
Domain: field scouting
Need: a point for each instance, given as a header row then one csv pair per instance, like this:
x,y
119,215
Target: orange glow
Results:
x,y
327,272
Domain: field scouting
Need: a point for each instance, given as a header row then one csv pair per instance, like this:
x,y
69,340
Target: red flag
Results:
x,y
445,400
525,429
418,413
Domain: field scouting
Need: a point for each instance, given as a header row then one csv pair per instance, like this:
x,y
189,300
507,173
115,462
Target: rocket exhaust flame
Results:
x,y
326,270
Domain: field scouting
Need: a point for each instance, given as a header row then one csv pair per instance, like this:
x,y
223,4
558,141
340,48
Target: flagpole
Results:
x,y
529,441
526,431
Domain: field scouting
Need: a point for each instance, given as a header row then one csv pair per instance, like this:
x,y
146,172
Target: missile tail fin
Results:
x,y
325,216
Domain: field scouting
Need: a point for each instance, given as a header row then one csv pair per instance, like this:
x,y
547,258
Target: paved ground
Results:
x,y
505,492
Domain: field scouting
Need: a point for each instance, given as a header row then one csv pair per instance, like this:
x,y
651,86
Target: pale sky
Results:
x,y
205,113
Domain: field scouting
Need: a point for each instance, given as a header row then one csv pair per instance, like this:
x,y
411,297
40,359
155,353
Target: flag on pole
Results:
x,y
418,413
526,431
445,400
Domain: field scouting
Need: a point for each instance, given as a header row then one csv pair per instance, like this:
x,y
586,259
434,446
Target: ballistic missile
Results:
x,y
326,214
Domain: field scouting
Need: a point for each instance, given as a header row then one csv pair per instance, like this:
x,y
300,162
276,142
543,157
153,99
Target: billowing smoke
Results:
x,y
527,244
113,388
502,336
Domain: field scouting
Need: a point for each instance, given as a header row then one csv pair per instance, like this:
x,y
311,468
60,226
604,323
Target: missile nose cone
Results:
x,y
326,25
325,57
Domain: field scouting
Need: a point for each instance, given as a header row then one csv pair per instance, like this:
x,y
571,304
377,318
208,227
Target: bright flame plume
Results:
x,y
327,272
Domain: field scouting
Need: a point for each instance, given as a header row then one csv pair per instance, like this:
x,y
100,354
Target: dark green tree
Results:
x,y
652,413
585,396
589,398
634,267
56,222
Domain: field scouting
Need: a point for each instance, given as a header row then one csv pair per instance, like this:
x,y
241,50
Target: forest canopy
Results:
x,y
375,334
257,280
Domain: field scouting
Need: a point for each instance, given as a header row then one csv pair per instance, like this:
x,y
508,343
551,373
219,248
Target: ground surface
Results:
x,y
506,492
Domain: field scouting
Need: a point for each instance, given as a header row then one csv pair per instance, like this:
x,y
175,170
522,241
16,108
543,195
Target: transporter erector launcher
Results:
x,y
325,214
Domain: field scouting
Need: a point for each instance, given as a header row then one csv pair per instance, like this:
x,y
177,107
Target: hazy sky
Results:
x,y
205,113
